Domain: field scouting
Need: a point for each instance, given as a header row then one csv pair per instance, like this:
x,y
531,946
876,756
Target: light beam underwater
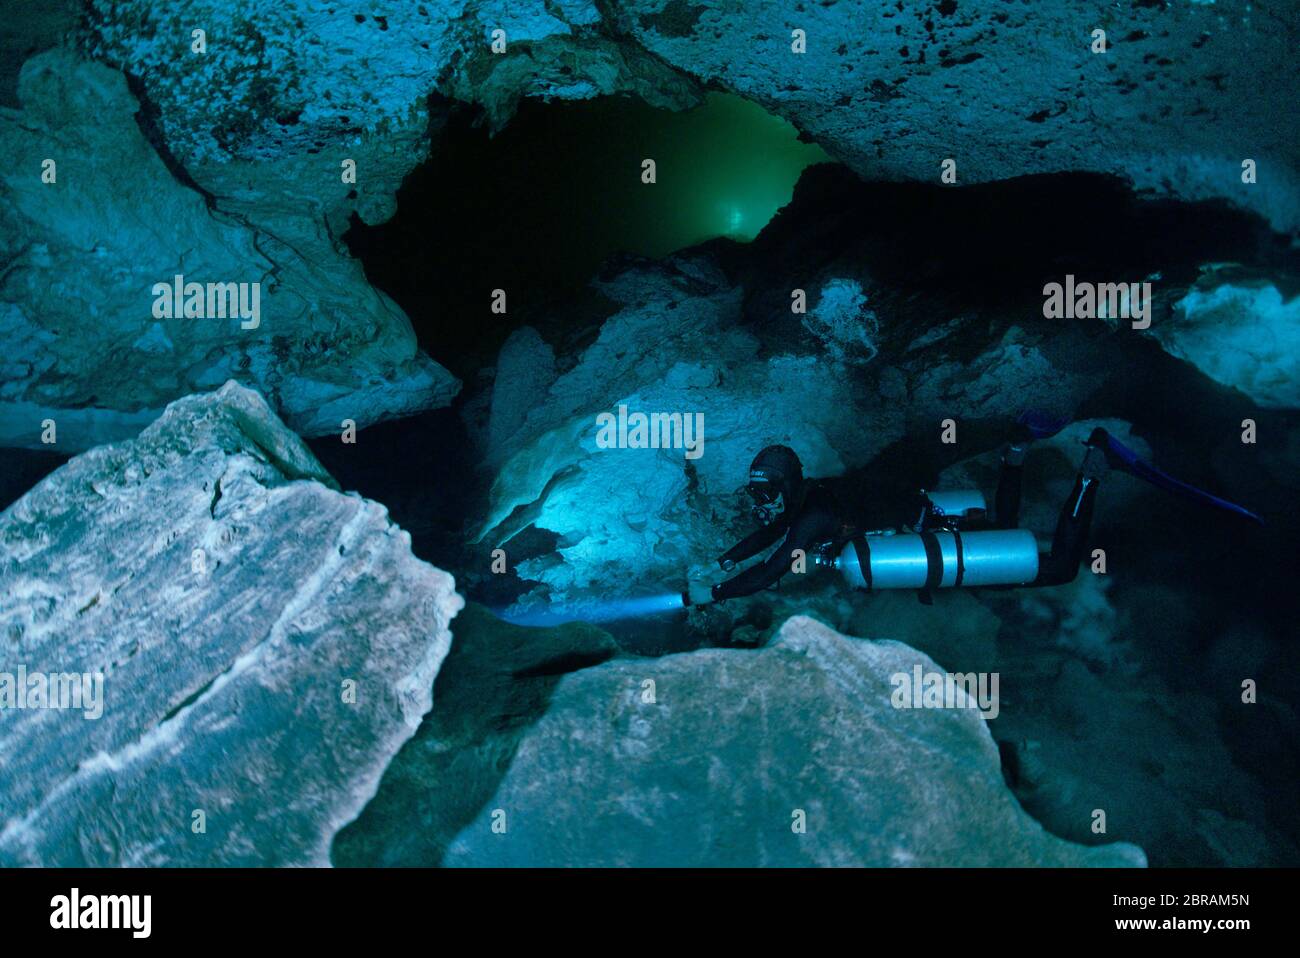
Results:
x,y
594,610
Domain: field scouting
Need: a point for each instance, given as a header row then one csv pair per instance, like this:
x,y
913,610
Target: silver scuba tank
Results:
x,y
940,559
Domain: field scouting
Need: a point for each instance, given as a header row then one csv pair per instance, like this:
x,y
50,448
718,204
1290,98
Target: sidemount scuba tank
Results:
x,y
935,553
939,559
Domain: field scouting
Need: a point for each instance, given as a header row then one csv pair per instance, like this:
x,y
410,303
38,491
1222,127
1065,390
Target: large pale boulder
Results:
x,y
717,757
262,645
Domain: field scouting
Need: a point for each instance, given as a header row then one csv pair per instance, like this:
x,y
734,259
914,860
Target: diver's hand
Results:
x,y
725,564
697,593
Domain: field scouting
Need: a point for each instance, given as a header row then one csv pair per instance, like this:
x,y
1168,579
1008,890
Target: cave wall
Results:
x,y
238,151
891,89
83,344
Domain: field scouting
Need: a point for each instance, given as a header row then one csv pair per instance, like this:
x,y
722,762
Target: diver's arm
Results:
x,y
754,543
803,535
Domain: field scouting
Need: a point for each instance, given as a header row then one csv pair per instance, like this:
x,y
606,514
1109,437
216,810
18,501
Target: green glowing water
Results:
x,y
545,201
723,169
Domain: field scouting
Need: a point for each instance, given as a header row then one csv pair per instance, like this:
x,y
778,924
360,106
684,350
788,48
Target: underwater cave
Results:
x,y
540,206
625,380
536,210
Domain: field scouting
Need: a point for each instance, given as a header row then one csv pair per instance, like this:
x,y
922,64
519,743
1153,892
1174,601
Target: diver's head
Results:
x,y
775,482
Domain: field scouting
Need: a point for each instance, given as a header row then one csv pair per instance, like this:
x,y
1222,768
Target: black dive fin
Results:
x,y
1122,457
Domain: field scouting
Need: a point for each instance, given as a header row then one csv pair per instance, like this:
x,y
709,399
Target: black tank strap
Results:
x,y
933,567
933,561
961,560
864,558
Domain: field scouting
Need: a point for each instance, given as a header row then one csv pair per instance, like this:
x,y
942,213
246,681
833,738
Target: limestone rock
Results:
x,y
891,91
525,370
1244,334
233,601
713,768
628,515
79,332
493,685
1004,90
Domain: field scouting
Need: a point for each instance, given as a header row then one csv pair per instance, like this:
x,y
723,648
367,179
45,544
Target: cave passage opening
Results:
x,y
539,207
536,209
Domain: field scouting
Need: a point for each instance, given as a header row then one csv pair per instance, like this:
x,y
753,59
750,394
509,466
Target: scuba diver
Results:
x,y
882,532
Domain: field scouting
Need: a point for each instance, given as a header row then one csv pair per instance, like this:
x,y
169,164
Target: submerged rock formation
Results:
x,y
1243,333
895,89
92,220
640,509
162,563
494,684
241,124
710,758
643,512
262,645
891,89
525,370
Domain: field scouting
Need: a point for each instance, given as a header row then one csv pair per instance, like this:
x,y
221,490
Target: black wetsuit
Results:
x,y
832,510
835,510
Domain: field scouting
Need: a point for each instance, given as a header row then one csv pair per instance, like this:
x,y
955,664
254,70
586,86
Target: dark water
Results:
x,y
1205,600
537,208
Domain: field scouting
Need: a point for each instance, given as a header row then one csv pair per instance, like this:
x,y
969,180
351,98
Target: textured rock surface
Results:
x,y
680,343
891,89
224,674
281,78
286,92
525,370
712,771
81,343
631,515
1093,718
1244,334
492,687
